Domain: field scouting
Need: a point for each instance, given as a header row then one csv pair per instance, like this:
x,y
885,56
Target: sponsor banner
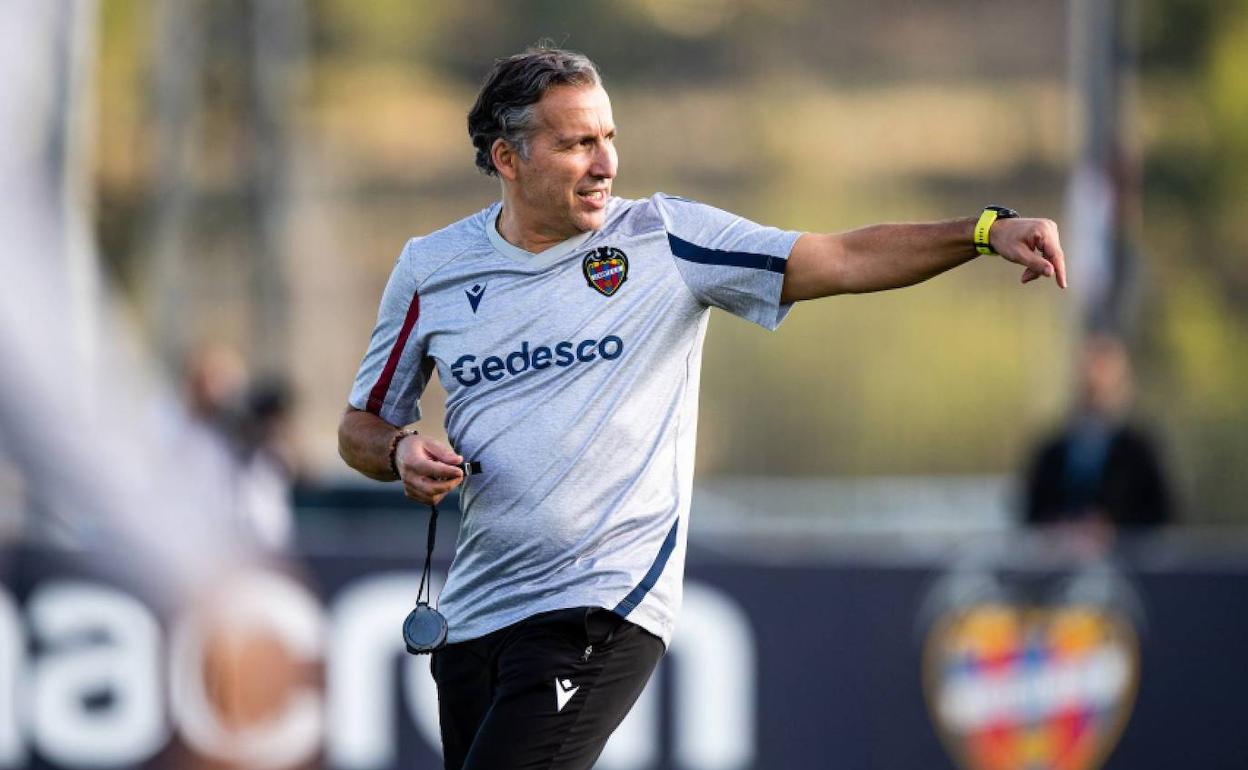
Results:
x,y
773,667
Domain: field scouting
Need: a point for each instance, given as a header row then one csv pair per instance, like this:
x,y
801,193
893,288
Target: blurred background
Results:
x,y
207,196
254,171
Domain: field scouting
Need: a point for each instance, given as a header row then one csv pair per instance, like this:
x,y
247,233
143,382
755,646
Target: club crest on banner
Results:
x,y
605,269
1023,681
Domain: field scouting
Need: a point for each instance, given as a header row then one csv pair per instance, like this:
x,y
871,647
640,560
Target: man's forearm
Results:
x,y
891,256
364,443
875,258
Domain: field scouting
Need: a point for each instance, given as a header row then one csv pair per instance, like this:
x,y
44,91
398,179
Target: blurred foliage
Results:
x,y
800,113
1194,120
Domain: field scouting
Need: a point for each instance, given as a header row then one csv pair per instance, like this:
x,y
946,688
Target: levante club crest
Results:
x,y
1027,680
606,269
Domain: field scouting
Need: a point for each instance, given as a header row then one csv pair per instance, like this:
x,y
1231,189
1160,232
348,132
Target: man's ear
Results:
x,y
505,159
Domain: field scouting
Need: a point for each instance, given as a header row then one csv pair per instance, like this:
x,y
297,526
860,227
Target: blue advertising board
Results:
x,y
817,664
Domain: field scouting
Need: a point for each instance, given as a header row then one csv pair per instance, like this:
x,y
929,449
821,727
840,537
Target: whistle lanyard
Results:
x,y
470,468
425,580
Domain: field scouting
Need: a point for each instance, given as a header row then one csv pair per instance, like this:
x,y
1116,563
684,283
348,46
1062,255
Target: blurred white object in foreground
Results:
x,y
77,390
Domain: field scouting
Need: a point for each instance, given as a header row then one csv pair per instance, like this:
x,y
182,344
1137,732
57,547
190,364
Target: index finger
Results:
x,y
1052,249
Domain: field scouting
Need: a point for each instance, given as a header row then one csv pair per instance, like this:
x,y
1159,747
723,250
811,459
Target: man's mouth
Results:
x,y
597,197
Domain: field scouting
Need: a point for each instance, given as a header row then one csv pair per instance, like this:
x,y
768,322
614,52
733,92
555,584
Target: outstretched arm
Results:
x,y
894,255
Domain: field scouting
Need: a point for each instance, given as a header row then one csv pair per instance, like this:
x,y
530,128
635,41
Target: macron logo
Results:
x,y
564,692
474,296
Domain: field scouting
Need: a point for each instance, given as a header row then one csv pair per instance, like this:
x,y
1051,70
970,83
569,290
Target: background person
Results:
x,y
1100,472
237,434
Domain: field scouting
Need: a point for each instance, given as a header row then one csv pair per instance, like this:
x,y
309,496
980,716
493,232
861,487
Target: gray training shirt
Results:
x,y
572,376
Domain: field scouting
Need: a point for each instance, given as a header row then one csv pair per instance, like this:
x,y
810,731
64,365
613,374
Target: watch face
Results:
x,y
1003,212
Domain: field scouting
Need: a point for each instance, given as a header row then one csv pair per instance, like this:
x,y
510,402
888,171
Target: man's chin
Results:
x,y
592,220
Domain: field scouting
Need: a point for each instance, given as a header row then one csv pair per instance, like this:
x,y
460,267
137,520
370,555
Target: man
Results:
x,y
1101,472
567,327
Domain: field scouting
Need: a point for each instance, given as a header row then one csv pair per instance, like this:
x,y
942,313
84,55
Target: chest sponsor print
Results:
x,y
605,269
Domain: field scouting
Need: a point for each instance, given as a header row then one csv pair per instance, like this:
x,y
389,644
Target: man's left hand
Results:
x,y
1032,243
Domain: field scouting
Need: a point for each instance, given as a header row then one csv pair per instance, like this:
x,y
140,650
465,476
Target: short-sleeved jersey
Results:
x,y
572,377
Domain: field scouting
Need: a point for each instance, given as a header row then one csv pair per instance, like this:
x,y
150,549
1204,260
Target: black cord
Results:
x,y
469,469
424,574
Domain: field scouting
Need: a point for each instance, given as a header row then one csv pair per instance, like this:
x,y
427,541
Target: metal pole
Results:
x,y
277,47
1103,192
177,70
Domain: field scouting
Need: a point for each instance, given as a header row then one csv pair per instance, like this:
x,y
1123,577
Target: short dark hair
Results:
x,y
505,104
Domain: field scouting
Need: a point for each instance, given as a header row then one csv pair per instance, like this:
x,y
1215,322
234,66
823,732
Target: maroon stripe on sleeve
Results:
x,y
377,396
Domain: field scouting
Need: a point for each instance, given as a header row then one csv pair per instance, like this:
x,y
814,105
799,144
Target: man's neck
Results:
x,y
529,237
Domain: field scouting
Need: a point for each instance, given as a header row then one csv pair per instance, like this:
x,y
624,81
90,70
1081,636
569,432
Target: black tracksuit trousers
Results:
x,y
541,694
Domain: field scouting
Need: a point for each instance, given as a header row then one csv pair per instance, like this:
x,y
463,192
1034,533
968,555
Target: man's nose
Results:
x,y
605,162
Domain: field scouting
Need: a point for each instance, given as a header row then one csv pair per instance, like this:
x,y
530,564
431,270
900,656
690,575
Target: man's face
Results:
x,y
1105,374
563,187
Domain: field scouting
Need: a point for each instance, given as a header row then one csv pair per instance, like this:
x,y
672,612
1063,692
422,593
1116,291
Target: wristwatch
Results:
x,y
989,215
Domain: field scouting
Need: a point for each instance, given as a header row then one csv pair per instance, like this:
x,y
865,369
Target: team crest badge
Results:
x,y
1033,683
606,269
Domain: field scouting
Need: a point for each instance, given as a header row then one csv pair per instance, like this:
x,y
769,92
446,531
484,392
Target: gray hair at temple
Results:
x,y
508,98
